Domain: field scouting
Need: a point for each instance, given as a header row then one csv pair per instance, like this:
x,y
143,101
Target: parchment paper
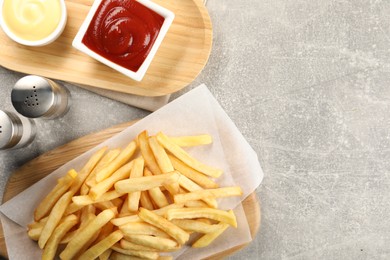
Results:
x,y
196,112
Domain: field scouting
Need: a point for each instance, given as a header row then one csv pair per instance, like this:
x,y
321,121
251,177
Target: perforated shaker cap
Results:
x,y
35,96
11,130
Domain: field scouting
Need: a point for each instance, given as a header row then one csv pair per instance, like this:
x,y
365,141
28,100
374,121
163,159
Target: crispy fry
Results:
x,y
142,228
159,243
77,243
50,200
132,246
86,170
194,175
50,249
72,208
227,217
35,233
146,182
102,187
186,158
136,172
174,231
99,248
117,163
54,218
206,194
196,204
188,141
147,153
141,254
208,238
193,225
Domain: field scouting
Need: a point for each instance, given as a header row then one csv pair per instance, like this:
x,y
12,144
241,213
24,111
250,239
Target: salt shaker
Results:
x,y
35,96
15,131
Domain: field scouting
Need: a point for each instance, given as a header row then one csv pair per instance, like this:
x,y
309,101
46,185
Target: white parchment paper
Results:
x,y
196,112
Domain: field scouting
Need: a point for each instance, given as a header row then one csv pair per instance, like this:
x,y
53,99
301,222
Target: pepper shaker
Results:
x,y
15,131
35,96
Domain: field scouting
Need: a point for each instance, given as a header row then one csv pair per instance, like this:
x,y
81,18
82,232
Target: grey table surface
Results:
x,y
307,83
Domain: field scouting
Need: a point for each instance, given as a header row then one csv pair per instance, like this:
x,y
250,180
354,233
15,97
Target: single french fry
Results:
x,y
50,249
194,175
136,172
117,163
156,194
161,156
100,247
54,218
142,228
77,243
86,170
186,158
141,254
146,182
35,233
208,238
174,231
196,204
147,153
145,201
188,141
159,243
50,200
194,225
122,173
191,186
206,194
132,246
227,217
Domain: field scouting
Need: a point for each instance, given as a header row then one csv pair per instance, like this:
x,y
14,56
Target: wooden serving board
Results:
x,y
36,169
180,58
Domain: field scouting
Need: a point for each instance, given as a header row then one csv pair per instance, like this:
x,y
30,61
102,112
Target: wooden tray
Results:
x,y
43,165
180,58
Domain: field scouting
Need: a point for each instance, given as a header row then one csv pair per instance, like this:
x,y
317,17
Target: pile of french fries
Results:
x,y
139,202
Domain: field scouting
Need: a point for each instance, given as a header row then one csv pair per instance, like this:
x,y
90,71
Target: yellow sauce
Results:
x,y
32,20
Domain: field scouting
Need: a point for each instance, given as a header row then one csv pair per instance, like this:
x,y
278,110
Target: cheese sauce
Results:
x,y
32,20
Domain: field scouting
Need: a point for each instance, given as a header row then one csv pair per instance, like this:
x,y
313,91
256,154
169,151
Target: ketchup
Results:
x,y
123,31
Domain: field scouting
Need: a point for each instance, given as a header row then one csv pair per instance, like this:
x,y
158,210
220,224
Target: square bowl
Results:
x,y
104,56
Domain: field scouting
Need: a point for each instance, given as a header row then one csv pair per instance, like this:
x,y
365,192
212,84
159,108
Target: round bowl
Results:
x,y
47,40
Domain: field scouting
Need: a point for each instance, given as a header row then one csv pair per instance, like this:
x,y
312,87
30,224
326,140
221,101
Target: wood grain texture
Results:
x,y
43,165
180,58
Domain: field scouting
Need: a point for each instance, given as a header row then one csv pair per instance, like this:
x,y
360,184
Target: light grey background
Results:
x,y
307,83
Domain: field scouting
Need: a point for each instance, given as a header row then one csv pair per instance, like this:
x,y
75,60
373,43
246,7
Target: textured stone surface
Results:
x,y
307,83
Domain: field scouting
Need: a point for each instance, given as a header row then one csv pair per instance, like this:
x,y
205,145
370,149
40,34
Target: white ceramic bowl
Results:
x,y
139,74
47,40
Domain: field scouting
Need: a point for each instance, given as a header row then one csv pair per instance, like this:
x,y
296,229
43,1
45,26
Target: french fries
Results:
x,y
133,203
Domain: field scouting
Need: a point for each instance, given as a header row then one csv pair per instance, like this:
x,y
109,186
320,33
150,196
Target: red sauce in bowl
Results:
x,y
123,31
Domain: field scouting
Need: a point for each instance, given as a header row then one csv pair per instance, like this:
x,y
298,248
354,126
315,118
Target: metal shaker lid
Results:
x,y
10,130
33,96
